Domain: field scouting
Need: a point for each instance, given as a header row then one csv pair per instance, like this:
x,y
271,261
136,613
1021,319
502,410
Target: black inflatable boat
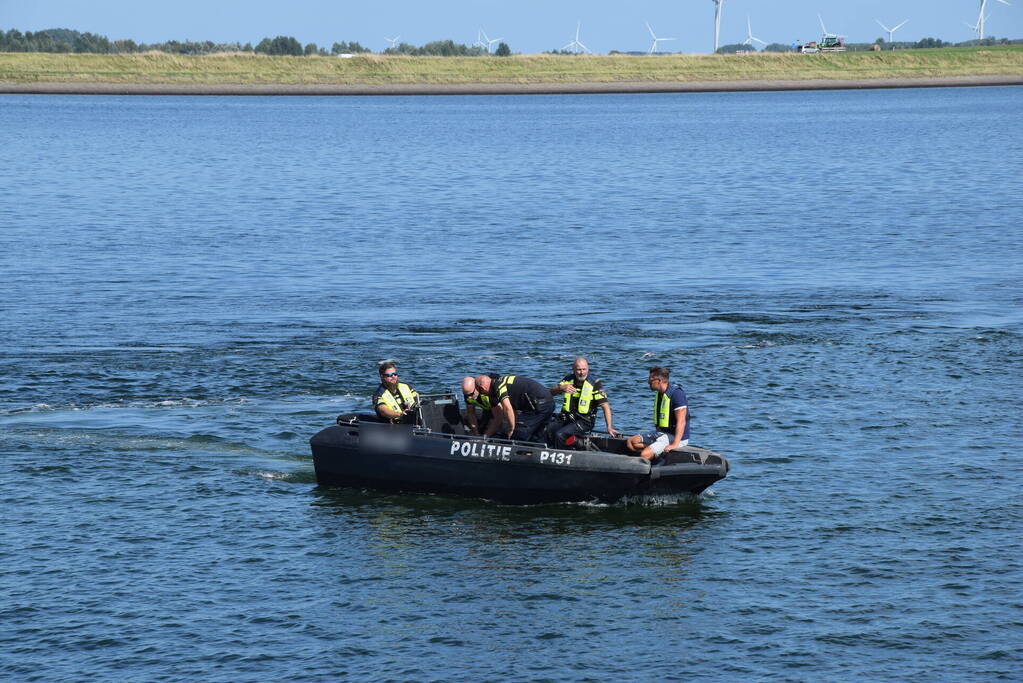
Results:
x,y
436,455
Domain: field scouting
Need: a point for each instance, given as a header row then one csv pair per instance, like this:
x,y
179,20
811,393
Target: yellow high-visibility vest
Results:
x,y
585,396
662,410
407,396
481,401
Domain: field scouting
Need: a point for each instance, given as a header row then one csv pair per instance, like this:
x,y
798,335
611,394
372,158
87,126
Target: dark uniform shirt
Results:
x,y
525,394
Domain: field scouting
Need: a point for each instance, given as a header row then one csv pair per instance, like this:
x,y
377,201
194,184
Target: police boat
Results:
x,y
435,454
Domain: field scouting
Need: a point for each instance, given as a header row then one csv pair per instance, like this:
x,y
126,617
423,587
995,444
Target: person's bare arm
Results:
x,y
496,418
680,428
606,407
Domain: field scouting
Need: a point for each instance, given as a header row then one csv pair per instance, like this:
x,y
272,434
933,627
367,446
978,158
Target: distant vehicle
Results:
x,y
832,44
829,43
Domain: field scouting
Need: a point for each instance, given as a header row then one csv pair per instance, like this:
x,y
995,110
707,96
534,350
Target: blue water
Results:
x,y
191,287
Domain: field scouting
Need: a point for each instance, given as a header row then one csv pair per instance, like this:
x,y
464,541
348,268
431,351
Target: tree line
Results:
x,y
65,40
68,40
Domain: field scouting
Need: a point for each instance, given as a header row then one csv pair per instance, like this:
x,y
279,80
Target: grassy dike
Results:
x,y
23,71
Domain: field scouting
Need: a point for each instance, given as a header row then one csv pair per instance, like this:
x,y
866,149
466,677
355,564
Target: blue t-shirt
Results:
x,y
678,400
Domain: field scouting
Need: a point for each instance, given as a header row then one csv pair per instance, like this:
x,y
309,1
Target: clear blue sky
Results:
x,y
526,25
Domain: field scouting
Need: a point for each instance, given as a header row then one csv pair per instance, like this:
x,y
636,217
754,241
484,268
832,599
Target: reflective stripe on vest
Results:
x,y
407,396
481,401
502,388
585,396
662,410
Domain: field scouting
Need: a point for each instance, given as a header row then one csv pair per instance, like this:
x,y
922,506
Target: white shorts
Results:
x,y
658,441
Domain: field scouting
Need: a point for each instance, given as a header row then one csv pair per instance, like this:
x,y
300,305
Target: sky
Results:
x,y
528,26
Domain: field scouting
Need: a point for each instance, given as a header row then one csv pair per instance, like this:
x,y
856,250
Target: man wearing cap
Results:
x,y
579,408
671,418
522,404
393,400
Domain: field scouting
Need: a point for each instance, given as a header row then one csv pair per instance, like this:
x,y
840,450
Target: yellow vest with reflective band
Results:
x,y
585,396
407,396
481,401
662,410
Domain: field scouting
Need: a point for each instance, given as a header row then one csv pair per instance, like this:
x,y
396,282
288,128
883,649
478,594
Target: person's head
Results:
x,y
482,384
581,368
658,378
388,373
469,388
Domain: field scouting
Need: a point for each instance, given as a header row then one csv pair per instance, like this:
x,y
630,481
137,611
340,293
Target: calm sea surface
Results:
x,y
191,287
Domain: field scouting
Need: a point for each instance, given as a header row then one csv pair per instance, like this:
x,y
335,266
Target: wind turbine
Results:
x,y
981,18
891,31
579,47
718,6
392,41
653,47
489,41
825,28
749,35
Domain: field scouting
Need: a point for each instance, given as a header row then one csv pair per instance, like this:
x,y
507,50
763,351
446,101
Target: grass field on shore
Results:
x,y
249,69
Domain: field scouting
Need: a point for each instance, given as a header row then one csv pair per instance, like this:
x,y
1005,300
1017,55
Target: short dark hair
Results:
x,y
660,372
385,366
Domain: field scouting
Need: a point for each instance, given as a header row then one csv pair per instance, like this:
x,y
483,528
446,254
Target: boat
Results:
x,y
434,453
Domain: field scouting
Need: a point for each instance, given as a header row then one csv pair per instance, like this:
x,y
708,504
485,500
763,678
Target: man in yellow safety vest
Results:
x,y
393,400
579,408
474,398
671,418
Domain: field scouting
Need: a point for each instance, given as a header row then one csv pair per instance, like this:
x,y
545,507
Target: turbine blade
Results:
x,y
900,26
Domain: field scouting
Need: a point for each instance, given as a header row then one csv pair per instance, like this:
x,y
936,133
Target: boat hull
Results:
x,y
401,458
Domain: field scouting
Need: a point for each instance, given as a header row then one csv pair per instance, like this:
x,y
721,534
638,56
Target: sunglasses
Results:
x,y
390,374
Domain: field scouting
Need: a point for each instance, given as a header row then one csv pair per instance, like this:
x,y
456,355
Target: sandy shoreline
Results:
x,y
498,88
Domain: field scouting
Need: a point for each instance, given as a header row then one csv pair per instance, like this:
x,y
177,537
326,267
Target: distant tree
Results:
x,y
345,47
777,47
310,49
733,48
437,48
281,45
88,42
930,42
503,50
125,46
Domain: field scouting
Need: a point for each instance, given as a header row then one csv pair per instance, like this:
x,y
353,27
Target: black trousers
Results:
x,y
564,426
530,425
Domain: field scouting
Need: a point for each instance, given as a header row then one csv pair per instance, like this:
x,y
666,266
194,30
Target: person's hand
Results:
x,y
612,432
570,389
